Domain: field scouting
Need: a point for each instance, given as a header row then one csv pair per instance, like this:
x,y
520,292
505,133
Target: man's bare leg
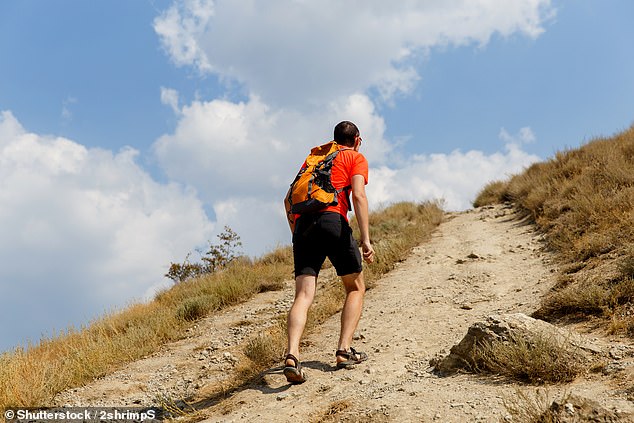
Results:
x,y
351,313
304,295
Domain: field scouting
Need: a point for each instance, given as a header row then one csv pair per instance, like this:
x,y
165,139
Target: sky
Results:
x,y
133,131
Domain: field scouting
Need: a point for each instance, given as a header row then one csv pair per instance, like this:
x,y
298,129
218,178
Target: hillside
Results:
x,y
481,262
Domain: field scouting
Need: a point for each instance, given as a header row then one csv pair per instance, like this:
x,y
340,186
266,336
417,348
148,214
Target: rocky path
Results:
x,y
478,263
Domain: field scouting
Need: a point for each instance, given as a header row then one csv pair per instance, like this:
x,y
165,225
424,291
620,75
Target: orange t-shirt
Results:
x,y
347,164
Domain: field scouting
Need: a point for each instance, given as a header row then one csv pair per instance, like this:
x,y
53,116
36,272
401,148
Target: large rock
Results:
x,y
505,328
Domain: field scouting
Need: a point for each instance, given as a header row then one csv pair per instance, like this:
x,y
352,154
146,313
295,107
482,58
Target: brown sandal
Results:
x,y
352,357
294,374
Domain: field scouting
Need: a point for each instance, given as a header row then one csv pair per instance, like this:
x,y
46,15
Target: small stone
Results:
x,y
282,396
570,409
616,354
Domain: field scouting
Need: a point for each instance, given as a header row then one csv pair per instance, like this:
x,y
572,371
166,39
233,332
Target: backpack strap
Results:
x,y
347,190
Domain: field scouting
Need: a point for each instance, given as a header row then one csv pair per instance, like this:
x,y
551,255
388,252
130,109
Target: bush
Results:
x,y
539,360
218,257
493,193
193,309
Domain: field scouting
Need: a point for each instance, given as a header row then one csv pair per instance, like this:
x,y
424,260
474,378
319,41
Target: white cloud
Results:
x,y
524,136
456,177
242,156
180,30
87,229
169,97
260,222
83,230
67,113
226,148
306,53
304,66
246,154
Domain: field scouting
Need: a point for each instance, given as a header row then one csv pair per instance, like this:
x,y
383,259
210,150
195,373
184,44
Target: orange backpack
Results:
x,y
312,188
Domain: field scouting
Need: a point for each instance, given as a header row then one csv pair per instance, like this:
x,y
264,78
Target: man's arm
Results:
x,y
360,203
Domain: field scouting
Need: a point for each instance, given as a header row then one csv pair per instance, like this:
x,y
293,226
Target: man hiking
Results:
x,y
327,233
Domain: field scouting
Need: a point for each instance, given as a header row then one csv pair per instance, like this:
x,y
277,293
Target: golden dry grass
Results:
x,y
32,376
583,201
538,361
529,407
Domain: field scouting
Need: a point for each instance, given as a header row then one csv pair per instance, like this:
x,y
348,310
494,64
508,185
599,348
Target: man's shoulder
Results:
x,y
352,161
351,153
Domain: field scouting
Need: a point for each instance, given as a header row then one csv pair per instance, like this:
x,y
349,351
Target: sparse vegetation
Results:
x,y
395,230
539,408
493,192
217,258
529,408
32,376
332,413
265,348
537,361
583,201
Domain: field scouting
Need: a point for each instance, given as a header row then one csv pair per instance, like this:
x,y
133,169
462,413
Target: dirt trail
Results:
x,y
478,263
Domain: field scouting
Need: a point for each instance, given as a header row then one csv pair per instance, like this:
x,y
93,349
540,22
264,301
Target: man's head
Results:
x,y
346,133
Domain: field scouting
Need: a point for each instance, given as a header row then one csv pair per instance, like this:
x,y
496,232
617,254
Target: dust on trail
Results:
x,y
478,263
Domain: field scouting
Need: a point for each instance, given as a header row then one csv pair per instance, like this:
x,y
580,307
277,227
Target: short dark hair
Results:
x,y
345,133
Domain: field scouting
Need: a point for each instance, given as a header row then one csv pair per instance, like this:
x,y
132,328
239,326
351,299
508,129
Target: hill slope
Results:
x,y
478,263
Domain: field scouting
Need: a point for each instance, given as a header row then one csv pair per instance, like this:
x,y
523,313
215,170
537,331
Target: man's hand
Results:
x,y
368,252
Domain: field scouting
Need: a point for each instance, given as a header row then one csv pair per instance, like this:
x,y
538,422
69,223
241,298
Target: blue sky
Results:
x,y
131,132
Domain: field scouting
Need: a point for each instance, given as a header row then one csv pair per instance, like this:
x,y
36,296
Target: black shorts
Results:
x,y
322,235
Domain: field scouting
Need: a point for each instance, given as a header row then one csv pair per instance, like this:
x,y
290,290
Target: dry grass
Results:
x,y
538,360
266,348
492,193
583,201
539,408
529,408
32,376
395,230
332,414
